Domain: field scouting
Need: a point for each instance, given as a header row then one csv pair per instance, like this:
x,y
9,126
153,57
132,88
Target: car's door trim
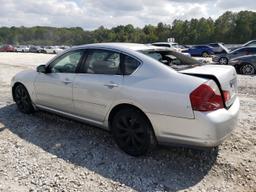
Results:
x,y
72,116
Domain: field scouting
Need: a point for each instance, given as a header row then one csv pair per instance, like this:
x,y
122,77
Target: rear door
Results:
x,y
54,88
97,84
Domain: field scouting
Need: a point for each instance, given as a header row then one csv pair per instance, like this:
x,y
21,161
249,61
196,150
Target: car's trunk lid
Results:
x,y
224,76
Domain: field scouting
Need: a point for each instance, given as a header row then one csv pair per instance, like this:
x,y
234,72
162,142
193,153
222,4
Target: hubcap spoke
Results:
x,y
248,69
124,121
138,139
134,143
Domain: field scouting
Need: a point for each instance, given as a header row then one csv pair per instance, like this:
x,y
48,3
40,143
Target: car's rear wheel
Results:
x,y
205,54
22,99
132,131
223,61
247,69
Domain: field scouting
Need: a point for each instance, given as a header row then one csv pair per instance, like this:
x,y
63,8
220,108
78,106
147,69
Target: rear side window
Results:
x,y
214,45
130,65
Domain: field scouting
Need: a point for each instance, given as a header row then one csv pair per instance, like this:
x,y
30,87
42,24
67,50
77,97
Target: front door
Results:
x,y
54,88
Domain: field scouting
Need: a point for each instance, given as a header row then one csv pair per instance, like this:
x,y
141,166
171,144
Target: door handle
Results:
x,y
67,81
111,85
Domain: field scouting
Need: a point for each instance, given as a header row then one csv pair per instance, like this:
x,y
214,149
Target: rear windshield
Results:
x,y
175,60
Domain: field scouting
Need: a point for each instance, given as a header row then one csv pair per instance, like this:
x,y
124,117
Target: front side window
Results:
x,y
67,63
103,62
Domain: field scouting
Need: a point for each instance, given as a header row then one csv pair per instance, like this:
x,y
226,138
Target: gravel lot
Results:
x,y
45,152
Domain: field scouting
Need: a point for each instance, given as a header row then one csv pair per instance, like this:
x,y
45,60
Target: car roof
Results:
x,y
167,43
120,46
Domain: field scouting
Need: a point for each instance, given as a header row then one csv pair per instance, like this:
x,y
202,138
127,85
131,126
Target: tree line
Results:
x,y
228,28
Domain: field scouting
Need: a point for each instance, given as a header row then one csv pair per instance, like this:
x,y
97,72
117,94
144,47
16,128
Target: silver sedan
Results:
x,y
143,94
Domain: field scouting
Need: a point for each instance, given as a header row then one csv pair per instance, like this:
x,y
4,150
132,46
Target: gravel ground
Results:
x,y
45,152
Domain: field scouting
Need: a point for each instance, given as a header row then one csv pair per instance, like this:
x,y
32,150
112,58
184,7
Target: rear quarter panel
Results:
x,y
165,96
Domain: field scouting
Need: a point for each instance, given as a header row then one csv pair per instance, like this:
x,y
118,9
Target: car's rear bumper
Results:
x,y
207,129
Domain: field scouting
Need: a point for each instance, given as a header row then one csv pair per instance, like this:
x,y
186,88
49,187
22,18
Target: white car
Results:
x,y
144,95
172,45
22,48
52,50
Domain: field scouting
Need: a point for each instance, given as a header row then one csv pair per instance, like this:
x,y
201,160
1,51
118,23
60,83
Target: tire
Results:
x,y
132,132
247,69
223,61
205,54
22,99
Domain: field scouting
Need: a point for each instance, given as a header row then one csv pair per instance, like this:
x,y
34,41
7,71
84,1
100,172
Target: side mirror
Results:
x,y
41,69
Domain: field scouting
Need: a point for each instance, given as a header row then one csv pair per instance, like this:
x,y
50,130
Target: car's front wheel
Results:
x,y
247,69
223,61
205,54
22,99
132,131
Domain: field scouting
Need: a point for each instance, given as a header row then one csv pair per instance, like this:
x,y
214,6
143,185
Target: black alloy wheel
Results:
x,y
132,132
22,99
248,69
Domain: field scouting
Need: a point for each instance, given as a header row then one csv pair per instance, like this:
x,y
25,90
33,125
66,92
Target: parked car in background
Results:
x,y
225,57
200,50
63,47
22,48
52,50
172,45
251,43
35,49
245,65
218,48
7,48
135,91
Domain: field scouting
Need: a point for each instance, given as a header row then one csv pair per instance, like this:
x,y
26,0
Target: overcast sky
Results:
x,y
90,14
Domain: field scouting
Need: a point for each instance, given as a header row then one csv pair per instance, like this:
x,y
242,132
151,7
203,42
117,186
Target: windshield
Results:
x,y
176,60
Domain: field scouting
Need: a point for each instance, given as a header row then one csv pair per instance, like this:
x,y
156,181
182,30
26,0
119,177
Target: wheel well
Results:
x,y
123,106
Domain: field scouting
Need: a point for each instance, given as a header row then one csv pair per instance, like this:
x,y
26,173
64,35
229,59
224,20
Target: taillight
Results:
x,y
206,97
227,96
